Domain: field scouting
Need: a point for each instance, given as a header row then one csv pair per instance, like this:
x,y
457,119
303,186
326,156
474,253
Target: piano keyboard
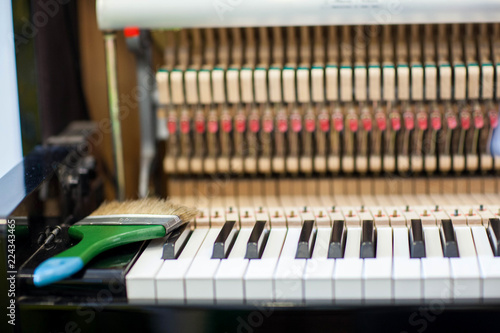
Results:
x,y
325,255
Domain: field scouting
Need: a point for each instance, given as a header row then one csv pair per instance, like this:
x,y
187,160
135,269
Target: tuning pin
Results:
x,y
292,213
456,212
394,213
276,214
425,212
246,213
320,213
362,208
437,208
481,207
471,212
379,213
350,213
216,213
333,209
407,208
260,209
230,209
305,209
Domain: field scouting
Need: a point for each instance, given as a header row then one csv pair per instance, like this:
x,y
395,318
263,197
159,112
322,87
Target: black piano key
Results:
x,y
417,243
494,235
306,241
337,240
176,242
448,239
257,240
225,240
367,249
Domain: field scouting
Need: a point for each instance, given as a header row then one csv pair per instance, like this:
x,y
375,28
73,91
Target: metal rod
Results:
x,y
114,113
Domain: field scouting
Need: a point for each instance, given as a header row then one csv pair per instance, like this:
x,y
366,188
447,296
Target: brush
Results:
x,y
111,225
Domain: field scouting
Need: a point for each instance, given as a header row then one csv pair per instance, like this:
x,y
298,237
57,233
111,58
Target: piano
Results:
x,y
344,157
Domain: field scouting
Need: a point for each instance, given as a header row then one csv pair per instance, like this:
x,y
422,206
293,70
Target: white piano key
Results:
x,y
317,84
460,81
229,286
274,85
177,86
377,272
406,271
260,272
219,90
348,273
140,281
403,83
205,86
389,83
318,282
162,81
346,83
332,77
289,271
465,269
360,74
473,81
199,279
303,89
417,83
233,85
170,286
191,82
435,268
260,85
489,266
430,76
374,80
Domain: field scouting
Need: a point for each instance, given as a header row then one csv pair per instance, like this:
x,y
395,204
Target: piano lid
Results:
x,y
158,14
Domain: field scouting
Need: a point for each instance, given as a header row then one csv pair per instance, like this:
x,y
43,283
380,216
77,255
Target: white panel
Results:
x,y
260,84
473,81
303,89
9,116
389,83
177,86
274,85
445,82
318,84
332,76
163,87
246,85
190,79
233,85
403,83
205,87
430,83
219,94
289,85
345,84
374,83
360,83
460,82
417,83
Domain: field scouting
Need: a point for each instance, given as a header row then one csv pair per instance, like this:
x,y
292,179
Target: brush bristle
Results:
x,y
150,206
